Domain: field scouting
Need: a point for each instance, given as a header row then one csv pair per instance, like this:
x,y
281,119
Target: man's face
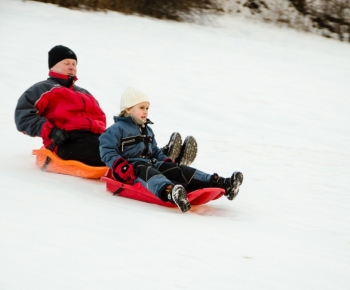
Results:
x,y
67,66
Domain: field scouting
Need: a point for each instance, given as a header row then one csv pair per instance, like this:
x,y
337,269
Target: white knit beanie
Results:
x,y
132,97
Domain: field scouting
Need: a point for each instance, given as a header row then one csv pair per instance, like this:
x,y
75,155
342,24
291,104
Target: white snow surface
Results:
x,y
269,102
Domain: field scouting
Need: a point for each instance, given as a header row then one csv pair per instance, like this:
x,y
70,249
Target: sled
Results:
x,y
48,161
138,192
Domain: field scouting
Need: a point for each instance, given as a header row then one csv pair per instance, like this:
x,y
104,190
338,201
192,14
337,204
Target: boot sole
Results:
x,y
184,206
175,144
188,151
182,201
238,180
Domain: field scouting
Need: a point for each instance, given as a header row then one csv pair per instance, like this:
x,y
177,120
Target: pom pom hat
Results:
x,y
132,97
59,53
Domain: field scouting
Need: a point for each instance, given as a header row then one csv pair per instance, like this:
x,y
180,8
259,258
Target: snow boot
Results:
x,y
231,184
188,151
173,148
178,195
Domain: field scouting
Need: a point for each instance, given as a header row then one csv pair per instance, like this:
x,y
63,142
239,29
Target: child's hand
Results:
x,y
123,171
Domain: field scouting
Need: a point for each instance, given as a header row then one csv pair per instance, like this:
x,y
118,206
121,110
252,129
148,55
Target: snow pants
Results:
x,y
82,146
156,176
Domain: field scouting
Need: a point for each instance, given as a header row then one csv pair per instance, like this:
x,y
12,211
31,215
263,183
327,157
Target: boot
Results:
x,y
178,195
188,151
173,148
231,184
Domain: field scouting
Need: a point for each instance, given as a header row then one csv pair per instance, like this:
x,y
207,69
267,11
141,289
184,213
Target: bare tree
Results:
x,y
164,9
330,15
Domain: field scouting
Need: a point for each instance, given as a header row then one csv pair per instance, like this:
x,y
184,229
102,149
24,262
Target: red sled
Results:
x,y
138,192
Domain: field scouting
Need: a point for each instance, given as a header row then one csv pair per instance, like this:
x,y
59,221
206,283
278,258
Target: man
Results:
x,y
69,119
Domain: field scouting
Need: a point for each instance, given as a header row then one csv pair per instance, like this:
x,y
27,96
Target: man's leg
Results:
x,y
188,151
82,146
185,153
173,148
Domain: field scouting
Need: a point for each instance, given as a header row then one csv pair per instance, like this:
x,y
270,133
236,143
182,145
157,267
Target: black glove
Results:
x,y
58,136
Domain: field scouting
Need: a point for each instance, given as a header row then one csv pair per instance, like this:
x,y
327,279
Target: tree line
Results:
x,y
330,17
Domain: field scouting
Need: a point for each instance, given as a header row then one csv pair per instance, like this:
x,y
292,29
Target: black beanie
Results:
x,y
60,52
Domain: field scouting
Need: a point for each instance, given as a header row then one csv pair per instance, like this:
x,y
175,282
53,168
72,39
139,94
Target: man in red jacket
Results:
x,y
69,119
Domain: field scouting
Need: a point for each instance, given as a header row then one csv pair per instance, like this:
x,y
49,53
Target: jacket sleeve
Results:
x,y
156,152
27,118
109,142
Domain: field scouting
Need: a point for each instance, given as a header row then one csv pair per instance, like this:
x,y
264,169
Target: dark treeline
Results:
x,y
331,17
163,9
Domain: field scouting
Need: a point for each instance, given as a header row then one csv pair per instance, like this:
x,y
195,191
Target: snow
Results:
x,y
270,102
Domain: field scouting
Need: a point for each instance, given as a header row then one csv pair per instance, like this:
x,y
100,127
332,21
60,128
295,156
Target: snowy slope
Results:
x,y
271,103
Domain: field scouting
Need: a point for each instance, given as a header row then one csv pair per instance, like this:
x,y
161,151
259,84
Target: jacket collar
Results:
x,y
64,80
130,120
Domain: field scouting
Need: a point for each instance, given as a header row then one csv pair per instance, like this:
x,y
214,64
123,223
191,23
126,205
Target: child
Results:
x,y
129,148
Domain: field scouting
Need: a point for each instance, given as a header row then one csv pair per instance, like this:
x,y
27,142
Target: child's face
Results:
x,y
139,111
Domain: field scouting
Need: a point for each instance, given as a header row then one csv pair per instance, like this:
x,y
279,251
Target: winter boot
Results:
x,y
173,148
188,151
231,184
178,195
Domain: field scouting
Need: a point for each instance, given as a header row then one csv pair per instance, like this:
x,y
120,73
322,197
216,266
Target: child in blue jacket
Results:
x,y
129,148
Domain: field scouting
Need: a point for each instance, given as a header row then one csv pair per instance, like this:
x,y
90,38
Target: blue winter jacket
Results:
x,y
115,142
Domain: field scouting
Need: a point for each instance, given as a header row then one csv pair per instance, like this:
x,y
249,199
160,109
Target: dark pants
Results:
x,y
82,146
159,175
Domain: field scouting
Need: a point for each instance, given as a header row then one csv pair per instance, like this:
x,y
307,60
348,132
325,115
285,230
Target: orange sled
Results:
x,y
138,192
48,161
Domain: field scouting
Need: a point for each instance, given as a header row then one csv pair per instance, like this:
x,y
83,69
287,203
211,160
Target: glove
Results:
x,y
58,136
168,160
123,171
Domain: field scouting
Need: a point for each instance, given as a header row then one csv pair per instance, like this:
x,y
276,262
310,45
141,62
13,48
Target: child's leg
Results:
x,y
160,186
151,179
195,179
231,184
190,177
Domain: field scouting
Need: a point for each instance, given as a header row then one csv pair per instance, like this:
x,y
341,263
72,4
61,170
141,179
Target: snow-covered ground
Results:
x,y
271,103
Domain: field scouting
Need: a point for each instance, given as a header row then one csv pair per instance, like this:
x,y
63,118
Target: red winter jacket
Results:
x,y
58,102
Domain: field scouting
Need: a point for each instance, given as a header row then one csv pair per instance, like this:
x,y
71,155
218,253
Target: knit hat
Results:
x,y
59,53
132,97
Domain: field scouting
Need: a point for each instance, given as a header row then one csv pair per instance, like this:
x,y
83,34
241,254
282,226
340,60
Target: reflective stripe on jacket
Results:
x,y
124,128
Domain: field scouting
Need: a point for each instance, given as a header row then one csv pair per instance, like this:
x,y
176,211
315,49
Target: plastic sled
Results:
x,y
48,161
138,192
